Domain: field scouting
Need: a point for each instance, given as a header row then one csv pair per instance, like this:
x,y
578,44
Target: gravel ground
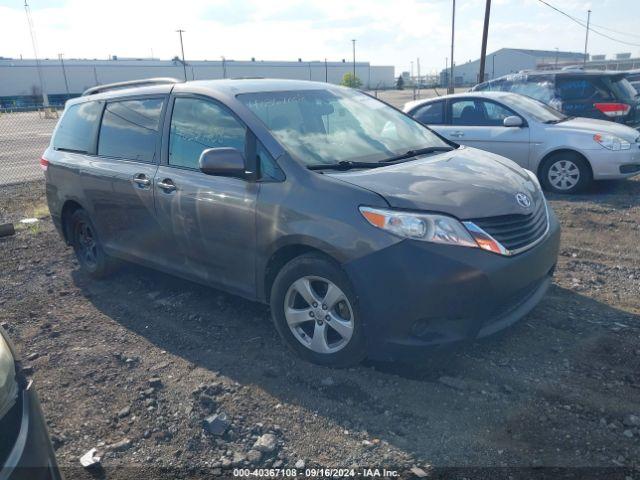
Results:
x,y
133,365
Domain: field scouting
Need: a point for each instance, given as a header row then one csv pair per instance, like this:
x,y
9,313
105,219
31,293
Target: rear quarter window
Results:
x,y
77,128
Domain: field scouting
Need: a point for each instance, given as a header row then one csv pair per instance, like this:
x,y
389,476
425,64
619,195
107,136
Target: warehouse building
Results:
x,y
508,60
20,84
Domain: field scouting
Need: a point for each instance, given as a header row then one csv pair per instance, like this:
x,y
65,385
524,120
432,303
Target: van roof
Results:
x,y
226,87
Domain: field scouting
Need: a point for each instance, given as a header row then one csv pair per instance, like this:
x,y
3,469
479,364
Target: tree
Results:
x,y
349,80
400,83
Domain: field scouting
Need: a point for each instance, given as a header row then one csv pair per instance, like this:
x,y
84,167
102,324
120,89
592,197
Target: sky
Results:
x,y
387,32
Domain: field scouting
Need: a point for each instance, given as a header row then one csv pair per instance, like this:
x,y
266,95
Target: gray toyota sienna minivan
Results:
x,y
367,233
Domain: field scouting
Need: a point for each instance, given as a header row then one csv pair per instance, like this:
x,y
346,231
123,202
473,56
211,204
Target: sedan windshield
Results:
x,y
535,108
327,127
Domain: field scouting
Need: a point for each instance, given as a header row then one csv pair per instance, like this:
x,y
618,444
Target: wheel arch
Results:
x,y
283,255
550,154
68,209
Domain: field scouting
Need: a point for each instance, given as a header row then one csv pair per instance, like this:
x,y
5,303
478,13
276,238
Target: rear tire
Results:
x,y
315,311
565,172
87,247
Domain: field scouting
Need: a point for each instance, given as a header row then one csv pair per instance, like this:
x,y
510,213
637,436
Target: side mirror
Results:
x,y
226,162
512,121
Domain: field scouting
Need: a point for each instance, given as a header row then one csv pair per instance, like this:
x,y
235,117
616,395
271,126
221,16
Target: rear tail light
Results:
x,y
44,164
613,109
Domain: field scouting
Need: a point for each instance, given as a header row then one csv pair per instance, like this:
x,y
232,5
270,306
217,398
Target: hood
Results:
x,y
593,126
466,183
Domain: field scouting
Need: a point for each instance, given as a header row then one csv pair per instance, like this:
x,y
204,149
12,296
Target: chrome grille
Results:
x,y
516,232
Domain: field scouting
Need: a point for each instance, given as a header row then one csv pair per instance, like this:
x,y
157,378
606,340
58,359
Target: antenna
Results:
x,y
45,97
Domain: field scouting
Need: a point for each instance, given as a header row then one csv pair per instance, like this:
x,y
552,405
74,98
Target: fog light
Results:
x,y
629,168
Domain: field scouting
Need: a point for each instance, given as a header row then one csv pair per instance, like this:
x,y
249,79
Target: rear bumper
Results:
x,y
31,456
414,296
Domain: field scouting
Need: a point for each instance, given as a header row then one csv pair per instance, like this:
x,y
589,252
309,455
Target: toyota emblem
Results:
x,y
523,200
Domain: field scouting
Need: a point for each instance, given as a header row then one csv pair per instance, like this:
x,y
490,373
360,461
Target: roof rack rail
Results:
x,y
130,83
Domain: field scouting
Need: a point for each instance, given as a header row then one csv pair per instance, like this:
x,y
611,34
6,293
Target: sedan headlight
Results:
x,y
420,226
611,142
8,383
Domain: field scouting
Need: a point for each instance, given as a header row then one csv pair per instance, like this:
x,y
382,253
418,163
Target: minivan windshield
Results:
x,y
330,127
536,109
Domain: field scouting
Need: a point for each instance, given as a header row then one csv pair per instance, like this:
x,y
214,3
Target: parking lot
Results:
x,y
23,136
133,364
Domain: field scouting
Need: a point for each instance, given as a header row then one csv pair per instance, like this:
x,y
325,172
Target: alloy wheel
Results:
x,y
319,314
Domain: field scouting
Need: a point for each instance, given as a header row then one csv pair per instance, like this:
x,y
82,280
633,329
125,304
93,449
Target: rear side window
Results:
x,y
130,129
431,114
77,128
197,125
571,89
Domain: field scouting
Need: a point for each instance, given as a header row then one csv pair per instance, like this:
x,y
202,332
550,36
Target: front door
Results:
x,y
208,221
479,123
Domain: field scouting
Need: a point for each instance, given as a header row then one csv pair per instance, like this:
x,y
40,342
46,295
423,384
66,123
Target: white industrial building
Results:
x,y
19,82
508,60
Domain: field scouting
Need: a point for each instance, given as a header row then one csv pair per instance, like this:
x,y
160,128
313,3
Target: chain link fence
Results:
x,y
24,136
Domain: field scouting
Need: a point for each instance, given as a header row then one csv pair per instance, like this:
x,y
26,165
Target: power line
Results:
x,y
617,31
582,24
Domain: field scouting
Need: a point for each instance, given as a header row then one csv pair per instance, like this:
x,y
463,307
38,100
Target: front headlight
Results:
x,y
420,226
8,383
611,142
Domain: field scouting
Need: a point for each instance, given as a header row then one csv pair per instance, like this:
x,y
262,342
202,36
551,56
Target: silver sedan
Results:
x,y
566,153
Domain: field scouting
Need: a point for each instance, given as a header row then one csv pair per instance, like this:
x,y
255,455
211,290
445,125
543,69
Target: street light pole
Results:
x,y
43,88
64,73
586,38
354,60
453,30
184,65
485,34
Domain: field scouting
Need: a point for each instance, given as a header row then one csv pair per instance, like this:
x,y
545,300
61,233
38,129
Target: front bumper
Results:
x,y
610,165
30,456
414,296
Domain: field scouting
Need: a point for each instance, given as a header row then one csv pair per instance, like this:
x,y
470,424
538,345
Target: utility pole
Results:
x,y
184,65
556,57
586,38
418,67
354,59
45,97
326,72
485,34
64,73
224,67
453,31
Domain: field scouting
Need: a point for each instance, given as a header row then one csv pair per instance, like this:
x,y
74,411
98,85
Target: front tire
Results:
x,y
565,172
315,311
87,247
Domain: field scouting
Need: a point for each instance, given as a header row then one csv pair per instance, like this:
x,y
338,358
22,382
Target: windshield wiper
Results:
x,y
558,120
414,153
70,150
343,165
